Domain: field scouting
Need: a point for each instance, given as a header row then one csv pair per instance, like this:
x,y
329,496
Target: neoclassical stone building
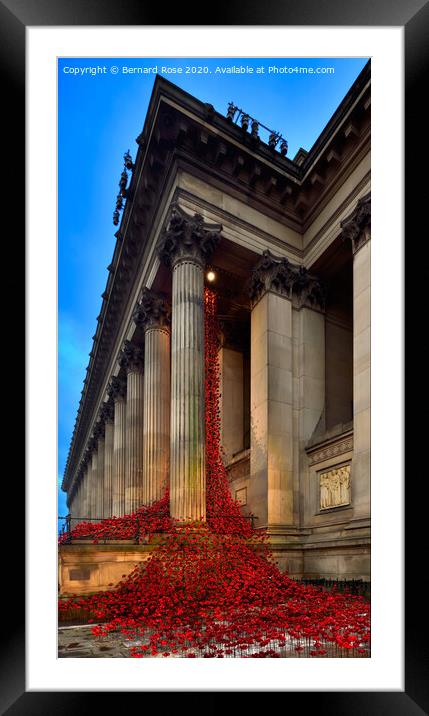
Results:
x,y
287,242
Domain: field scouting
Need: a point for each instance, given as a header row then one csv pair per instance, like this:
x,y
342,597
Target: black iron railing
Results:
x,y
69,522
353,586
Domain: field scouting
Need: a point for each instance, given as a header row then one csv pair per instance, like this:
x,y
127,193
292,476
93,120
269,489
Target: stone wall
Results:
x,y
87,568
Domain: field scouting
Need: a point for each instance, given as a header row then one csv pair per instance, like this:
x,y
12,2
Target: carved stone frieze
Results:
x,y
152,311
330,451
335,487
279,275
357,227
187,238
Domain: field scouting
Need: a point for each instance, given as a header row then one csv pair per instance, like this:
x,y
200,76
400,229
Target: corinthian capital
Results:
x,y
187,238
132,357
270,274
152,311
117,388
107,411
99,430
279,275
357,226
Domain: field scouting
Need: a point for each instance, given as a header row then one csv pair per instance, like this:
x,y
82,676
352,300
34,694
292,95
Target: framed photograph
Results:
x,y
84,78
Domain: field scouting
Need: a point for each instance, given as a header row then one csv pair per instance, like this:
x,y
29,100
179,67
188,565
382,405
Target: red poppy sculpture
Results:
x,y
213,589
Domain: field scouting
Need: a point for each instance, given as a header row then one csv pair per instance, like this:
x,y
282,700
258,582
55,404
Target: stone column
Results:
x,y
276,285
85,491
82,490
152,314
132,360
88,484
309,390
81,496
79,500
100,476
71,509
231,368
357,229
78,512
108,411
93,484
185,245
118,393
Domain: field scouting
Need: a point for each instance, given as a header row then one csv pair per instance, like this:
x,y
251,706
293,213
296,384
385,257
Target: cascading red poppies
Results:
x,y
213,589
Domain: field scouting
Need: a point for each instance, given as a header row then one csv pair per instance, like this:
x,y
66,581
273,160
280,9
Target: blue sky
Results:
x,y
99,117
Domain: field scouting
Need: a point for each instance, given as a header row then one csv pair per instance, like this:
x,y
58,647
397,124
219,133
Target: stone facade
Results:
x,y
288,243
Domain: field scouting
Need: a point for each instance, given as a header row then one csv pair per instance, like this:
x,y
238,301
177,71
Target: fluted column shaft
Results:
x,y
187,466
119,443
88,490
93,485
108,469
357,229
86,486
78,502
82,493
81,497
134,440
186,245
156,441
72,510
100,478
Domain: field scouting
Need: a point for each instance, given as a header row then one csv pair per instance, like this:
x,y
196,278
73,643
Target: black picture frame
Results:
x,y
15,16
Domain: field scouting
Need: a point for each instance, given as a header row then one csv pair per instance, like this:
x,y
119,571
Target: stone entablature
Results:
x,y
279,275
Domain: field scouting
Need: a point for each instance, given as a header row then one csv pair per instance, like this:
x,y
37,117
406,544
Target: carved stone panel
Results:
x,y
241,496
79,574
335,487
